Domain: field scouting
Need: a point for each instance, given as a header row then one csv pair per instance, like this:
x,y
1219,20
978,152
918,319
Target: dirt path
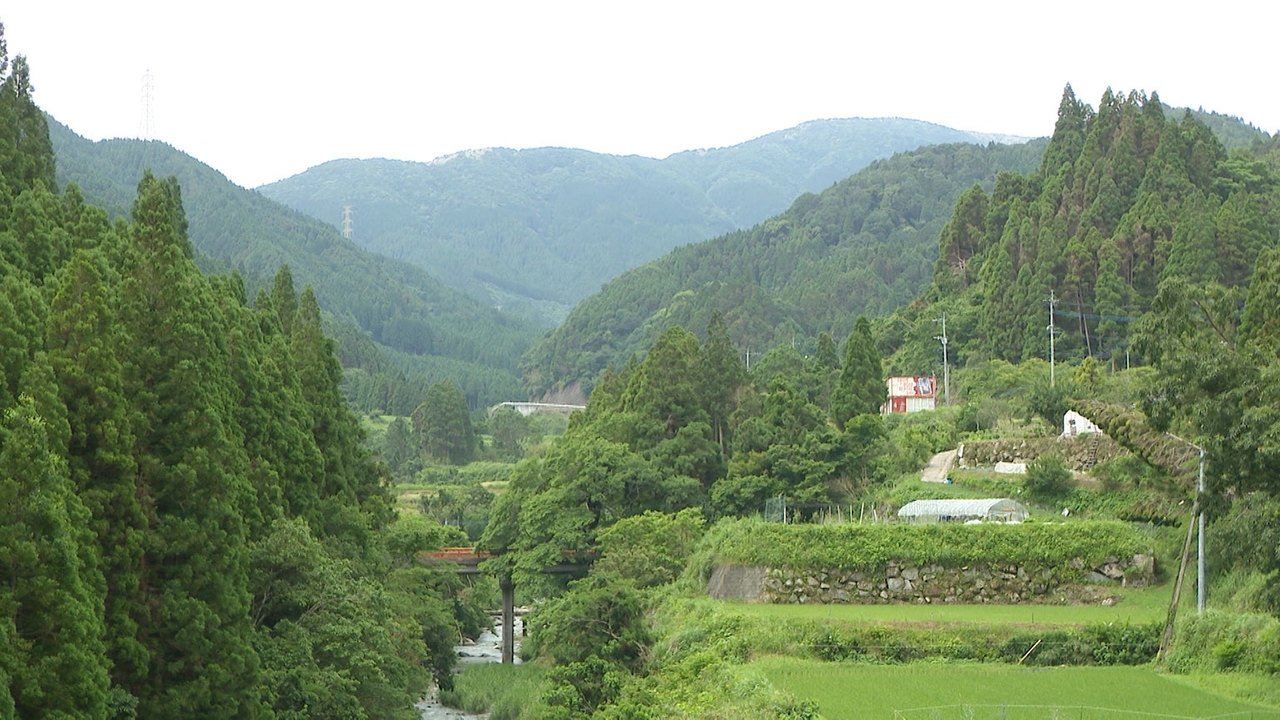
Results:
x,y
938,467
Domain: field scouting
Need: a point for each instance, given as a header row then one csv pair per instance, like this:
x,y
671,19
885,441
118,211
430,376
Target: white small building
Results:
x,y
1001,510
1073,424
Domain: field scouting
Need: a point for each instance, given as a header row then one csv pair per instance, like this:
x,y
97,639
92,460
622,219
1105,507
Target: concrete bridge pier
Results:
x,y
508,619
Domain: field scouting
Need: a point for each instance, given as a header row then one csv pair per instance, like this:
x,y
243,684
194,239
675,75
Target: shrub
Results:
x,y
1048,477
1217,640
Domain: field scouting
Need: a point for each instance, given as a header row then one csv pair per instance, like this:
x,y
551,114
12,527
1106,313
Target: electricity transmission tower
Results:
x,y
148,91
348,221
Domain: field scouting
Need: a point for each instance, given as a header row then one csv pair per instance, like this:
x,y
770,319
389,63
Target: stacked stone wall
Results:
x,y
1080,452
931,583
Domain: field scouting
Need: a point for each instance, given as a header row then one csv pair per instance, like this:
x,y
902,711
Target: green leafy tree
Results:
x,y
651,548
284,299
665,388
509,430
601,616
788,449
961,240
87,347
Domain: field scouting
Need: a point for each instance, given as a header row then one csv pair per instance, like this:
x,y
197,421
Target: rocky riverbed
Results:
x,y
485,649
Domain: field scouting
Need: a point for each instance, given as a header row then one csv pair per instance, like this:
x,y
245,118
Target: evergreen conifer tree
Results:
x,y
50,604
861,389
190,475
87,345
443,424
722,373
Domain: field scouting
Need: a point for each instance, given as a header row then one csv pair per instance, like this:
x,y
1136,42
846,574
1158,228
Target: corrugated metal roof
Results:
x,y
956,508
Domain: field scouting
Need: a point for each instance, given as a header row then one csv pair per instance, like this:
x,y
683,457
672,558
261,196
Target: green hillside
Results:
x,y
865,245
1127,197
534,231
396,304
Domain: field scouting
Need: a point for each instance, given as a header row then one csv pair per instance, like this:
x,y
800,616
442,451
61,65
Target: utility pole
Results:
x,y
946,367
1197,512
1052,330
1200,563
1200,573
348,221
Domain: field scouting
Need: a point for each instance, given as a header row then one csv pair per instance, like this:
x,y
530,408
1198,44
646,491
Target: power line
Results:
x,y
1095,316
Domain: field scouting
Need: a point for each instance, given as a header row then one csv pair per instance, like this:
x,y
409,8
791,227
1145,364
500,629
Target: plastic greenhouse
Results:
x,y
1001,510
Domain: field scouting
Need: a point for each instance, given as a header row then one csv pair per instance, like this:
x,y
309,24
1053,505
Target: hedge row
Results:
x,y
873,546
1097,644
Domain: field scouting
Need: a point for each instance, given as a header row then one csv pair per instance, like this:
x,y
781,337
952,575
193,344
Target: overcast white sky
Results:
x,y
263,90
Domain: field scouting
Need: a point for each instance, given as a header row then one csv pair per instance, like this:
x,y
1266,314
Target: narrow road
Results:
x,y
938,467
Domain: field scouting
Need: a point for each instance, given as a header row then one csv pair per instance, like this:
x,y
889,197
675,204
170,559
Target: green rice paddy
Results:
x,y
1006,692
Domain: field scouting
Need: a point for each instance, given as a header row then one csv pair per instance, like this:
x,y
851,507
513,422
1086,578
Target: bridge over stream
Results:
x,y
466,561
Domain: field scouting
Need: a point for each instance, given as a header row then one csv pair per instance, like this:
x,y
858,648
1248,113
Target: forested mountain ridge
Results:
x,y
865,245
1128,196
396,304
189,524
536,230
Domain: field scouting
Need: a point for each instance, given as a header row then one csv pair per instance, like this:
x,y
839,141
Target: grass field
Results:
x,y
1004,692
1135,606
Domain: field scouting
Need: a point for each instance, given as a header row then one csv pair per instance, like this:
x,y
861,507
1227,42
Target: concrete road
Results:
x,y
938,467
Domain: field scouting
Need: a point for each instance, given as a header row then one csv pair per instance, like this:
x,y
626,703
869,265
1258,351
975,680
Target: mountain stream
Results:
x,y
485,649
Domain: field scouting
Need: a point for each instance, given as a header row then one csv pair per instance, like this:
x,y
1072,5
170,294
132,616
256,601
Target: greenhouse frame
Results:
x,y
1001,510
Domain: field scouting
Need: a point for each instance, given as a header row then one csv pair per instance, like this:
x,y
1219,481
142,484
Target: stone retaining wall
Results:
x,y
1074,451
910,583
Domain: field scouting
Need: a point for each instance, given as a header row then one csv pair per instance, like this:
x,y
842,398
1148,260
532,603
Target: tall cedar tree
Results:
x,y
443,424
190,476
86,341
861,389
722,374
351,500
26,154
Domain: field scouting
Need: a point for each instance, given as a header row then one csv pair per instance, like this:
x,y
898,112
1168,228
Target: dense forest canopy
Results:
x,y
399,328
1125,199
864,245
189,526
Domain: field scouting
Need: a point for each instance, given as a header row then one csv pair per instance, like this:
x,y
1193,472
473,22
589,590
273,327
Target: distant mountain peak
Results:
x,y
472,154
534,231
